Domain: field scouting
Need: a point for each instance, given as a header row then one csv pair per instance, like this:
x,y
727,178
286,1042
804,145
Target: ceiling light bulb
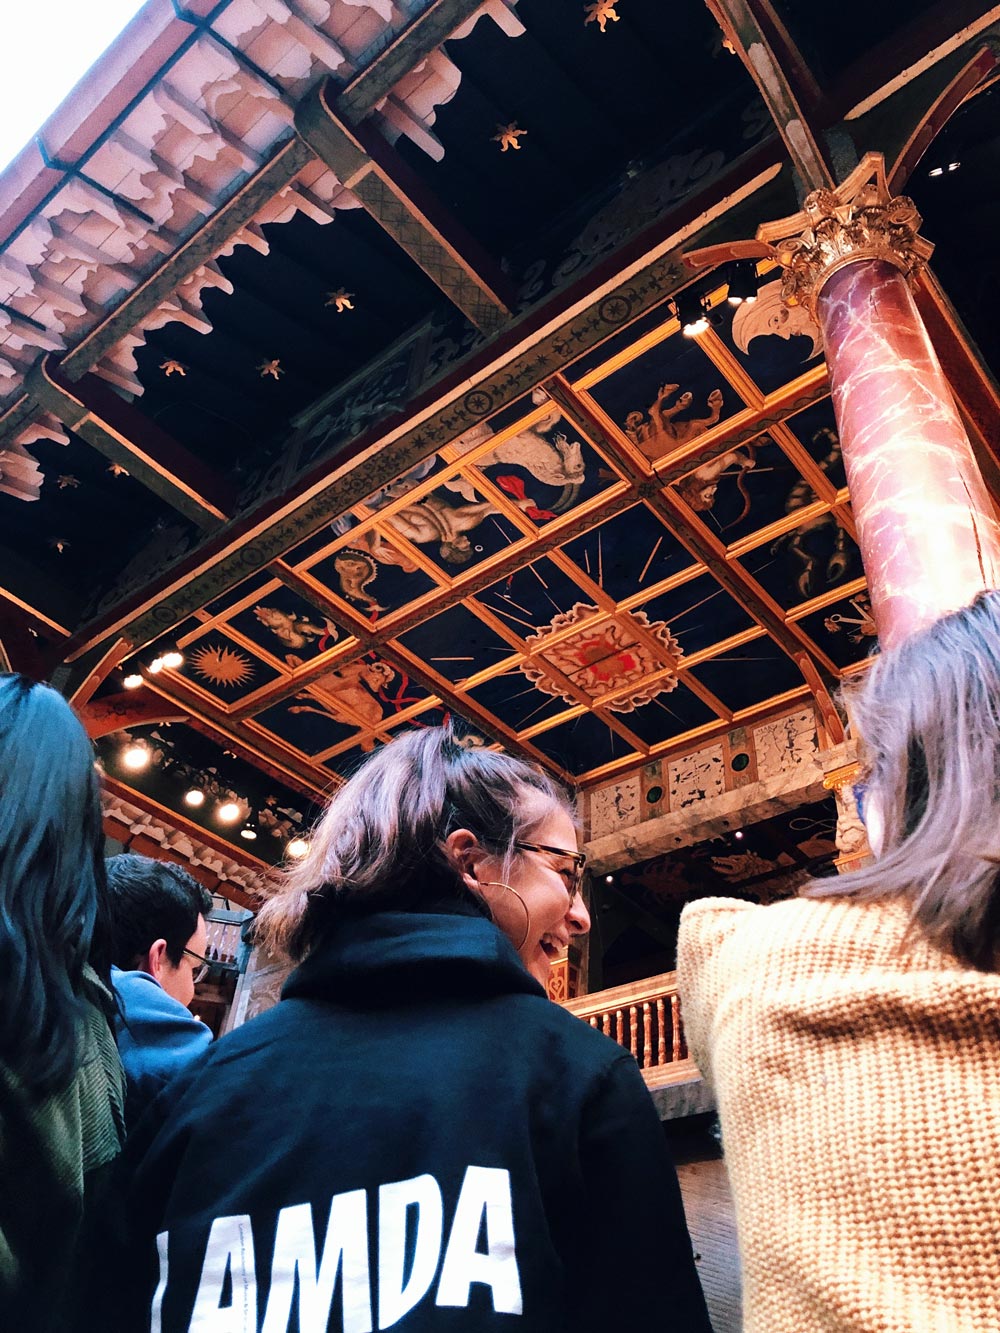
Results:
x,y
156,666
194,797
248,832
173,658
132,681
936,171
954,166
738,833
229,812
297,849
136,756
609,879
735,300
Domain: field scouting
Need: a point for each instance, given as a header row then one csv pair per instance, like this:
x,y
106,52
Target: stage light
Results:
x,y
136,756
194,797
229,812
132,680
155,665
249,831
738,833
690,308
743,283
172,657
297,849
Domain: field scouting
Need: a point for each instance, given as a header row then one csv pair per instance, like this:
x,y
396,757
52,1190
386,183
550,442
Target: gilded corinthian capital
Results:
x,y
858,219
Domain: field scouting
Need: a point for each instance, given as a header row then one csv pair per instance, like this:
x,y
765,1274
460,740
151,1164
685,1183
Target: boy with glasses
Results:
x,y
158,945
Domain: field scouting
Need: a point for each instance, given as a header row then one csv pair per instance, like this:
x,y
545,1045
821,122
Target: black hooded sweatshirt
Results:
x,y
415,1138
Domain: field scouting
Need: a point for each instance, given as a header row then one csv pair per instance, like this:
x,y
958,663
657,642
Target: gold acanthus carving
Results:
x,y
858,219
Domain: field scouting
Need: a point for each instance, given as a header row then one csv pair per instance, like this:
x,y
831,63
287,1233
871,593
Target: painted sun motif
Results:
x,y
222,666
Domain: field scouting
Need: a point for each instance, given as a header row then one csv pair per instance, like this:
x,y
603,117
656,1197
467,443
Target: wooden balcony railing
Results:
x,y
645,1018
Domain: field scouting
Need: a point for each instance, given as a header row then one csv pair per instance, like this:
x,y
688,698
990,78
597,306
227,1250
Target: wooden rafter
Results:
x,y
419,224
129,439
773,62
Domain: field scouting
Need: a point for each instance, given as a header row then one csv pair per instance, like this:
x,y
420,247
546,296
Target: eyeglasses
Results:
x,y
574,876
199,973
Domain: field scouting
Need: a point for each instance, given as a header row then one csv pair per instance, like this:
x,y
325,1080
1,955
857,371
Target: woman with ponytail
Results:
x,y
61,1084
415,1137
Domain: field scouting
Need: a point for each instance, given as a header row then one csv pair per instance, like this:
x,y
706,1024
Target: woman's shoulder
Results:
x,y
836,923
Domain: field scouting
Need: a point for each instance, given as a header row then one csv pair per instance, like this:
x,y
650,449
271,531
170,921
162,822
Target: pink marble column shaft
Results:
x,y
928,533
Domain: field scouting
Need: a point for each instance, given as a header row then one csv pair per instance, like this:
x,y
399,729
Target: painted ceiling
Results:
x,y
357,505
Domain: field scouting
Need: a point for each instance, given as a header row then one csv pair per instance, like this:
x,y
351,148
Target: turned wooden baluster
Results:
x,y
633,1032
618,1026
647,1033
675,1027
661,1028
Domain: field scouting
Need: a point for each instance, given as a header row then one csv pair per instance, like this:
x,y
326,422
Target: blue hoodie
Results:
x,y
158,1038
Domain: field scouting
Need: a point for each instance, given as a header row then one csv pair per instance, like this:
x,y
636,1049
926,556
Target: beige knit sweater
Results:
x,y
858,1083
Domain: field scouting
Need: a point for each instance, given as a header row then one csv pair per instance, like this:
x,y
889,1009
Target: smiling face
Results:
x,y
536,911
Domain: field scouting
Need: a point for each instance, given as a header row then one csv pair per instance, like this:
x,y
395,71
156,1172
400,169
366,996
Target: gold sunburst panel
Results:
x,y
222,666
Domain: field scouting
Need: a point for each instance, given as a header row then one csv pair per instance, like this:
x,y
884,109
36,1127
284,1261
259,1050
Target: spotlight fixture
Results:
x,y
690,309
249,831
609,879
155,665
136,756
172,657
229,812
954,166
297,849
743,282
738,833
194,797
132,679
936,171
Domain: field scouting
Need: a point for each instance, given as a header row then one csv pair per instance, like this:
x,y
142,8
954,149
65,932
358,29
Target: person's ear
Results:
x,y
463,848
156,959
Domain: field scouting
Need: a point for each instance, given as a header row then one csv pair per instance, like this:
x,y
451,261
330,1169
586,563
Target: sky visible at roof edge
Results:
x,y
48,47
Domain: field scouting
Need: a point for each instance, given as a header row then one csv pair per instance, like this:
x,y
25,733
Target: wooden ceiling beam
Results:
x,y
127,438
391,193
775,65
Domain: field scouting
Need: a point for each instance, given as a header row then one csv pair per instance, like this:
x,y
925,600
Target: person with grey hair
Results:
x,y
852,1034
415,1136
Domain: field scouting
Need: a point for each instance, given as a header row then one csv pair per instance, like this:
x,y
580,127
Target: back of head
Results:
x,y
379,846
148,901
52,890
928,718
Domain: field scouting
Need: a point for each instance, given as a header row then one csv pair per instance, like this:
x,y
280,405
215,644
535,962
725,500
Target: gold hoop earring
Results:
x,y
498,884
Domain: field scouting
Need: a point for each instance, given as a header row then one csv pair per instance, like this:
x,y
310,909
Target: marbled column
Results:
x,y
928,533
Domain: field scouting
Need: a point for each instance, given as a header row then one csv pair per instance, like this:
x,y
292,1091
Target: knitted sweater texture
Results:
x,y
857,1072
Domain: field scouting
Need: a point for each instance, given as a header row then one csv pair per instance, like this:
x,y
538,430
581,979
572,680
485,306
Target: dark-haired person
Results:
x,y
158,942
61,1084
415,1137
853,1034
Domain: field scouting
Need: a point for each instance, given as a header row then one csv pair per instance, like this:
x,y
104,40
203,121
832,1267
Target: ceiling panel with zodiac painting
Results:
x,y
592,579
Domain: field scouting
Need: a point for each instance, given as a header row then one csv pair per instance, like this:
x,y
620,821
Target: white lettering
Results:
x,y
396,1297
229,1249
345,1249
156,1309
483,1189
